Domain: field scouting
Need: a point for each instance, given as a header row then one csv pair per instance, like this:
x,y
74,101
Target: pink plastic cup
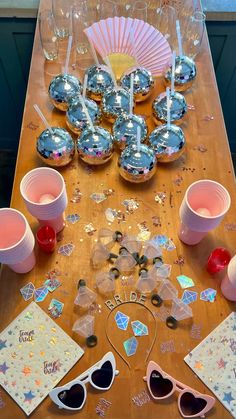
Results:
x,y
204,206
16,241
228,284
44,192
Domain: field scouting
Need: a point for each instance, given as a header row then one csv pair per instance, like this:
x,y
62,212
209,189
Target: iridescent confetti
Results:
x,y
189,297
141,398
98,197
170,245
108,192
55,308
167,346
156,221
178,180
27,291
143,226
72,218
139,328
102,406
160,240
208,118
52,284
160,197
200,147
179,261
89,229
122,320
130,346
40,294
195,332
191,107
76,197
144,235
110,214
66,249
131,205
185,281
121,217
230,227
208,295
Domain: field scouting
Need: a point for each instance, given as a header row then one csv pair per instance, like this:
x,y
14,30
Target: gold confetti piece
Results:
x,y
160,197
76,196
144,235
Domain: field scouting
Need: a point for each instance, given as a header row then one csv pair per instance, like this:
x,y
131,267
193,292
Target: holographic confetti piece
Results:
x,y
200,147
167,346
208,295
72,218
109,192
160,240
55,308
66,249
121,217
191,107
160,197
141,398
170,245
131,205
121,320
102,406
139,328
179,261
185,281
130,346
89,229
189,297
230,227
144,235
110,214
98,197
195,332
40,294
52,284
76,197
156,221
178,180
27,291
208,118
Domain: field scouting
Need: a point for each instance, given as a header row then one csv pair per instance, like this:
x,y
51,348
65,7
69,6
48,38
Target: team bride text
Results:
x,y
26,336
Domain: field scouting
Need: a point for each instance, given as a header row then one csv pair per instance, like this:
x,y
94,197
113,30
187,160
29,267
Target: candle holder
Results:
x,y
46,239
218,260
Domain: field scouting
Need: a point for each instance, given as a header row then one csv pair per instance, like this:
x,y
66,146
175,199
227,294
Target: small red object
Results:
x,y
217,260
46,239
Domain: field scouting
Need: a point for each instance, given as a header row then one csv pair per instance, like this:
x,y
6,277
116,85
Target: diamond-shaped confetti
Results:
x,y
208,295
55,308
139,328
40,294
66,249
89,229
189,297
27,291
170,245
72,218
52,284
160,240
98,197
131,205
185,281
121,320
130,346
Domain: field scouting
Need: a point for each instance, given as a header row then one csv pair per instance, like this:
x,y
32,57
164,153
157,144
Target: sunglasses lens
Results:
x,y
160,387
191,405
73,397
102,378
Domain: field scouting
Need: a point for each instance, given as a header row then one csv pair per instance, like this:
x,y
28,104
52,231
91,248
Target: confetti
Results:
x,y
55,308
98,197
27,291
208,118
191,107
156,221
121,217
141,398
178,180
167,346
185,281
200,147
189,297
208,295
76,196
130,346
144,235
52,284
108,192
102,406
110,215
170,245
121,320
160,197
179,261
131,205
230,227
72,218
160,240
40,294
139,328
162,314
66,249
89,229
32,126
195,332
127,280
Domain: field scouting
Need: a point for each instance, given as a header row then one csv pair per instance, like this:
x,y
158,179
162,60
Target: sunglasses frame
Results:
x,y
82,379
180,388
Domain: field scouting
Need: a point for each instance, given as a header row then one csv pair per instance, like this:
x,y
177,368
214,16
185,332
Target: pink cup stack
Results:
x,y
228,284
204,206
16,241
44,192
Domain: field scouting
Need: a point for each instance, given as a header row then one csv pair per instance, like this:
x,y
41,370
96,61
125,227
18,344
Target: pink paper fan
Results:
x,y
112,35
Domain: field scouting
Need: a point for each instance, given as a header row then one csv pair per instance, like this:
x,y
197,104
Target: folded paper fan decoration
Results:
x,y
113,36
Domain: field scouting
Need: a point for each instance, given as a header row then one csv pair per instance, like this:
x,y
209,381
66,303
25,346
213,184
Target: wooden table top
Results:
x,y
172,179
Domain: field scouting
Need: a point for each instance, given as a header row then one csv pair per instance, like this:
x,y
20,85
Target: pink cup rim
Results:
x,y
39,169
6,249
213,182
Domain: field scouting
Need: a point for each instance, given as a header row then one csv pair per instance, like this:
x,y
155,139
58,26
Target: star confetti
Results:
x,y
2,344
185,281
55,308
76,197
89,229
189,297
98,197
40,294
27,291
66,249
72,218
131,205
3,368
208,295
52,284
29,397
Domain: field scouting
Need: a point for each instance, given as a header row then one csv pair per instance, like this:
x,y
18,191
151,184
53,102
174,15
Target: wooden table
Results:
x,y
173,179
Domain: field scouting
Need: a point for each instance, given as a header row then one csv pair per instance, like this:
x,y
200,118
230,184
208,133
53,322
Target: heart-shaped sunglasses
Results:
x,y
72,395
191,403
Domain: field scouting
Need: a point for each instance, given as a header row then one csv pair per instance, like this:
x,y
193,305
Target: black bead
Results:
x,y
171,322
91,341
156,300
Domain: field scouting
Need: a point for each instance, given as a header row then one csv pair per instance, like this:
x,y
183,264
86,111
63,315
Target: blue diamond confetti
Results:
x,y
52,284
72,218
66,249
139,328
160,240
185,281
121,320
208,295
130,346
189,297
40,294
27,291
55,308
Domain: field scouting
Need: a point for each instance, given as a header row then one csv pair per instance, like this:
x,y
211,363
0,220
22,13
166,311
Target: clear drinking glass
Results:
x,y
61,12
139,10
194,34
165,23
47,35
107,8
